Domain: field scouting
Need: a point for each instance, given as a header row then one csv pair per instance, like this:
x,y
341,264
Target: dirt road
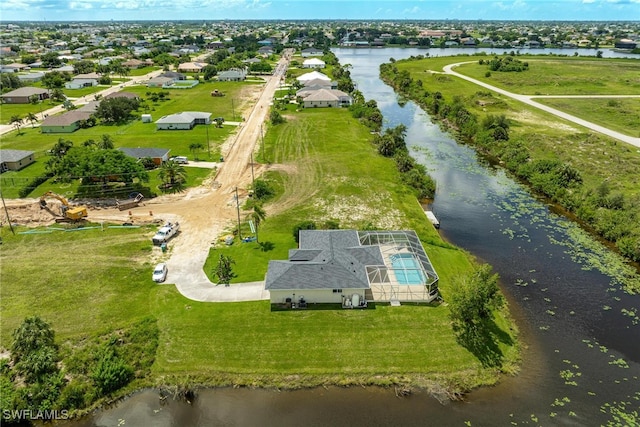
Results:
x,y
528,99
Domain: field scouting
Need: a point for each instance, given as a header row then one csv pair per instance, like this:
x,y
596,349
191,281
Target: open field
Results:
x,y
565,76
9,110
622,115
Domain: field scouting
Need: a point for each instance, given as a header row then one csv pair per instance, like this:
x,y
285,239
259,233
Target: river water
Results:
x,y
582,332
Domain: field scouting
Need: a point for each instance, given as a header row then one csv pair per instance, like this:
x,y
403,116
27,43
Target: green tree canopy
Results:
x,y
116,110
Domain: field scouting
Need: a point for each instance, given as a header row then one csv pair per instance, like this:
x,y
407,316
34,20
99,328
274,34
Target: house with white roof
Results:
x,y
313,63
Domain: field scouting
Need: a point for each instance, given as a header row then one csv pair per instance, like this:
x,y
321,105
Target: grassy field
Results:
x,y
332,172
9,110
621,115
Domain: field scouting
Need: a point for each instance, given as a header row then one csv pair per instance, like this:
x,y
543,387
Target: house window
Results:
x,y
337,291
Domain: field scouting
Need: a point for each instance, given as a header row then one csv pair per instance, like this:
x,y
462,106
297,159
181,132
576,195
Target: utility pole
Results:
x,y
208,147
233,110
264,159
7,212
253,180
238,209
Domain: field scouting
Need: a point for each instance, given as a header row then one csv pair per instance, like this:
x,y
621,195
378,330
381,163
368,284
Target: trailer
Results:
x,y
131,202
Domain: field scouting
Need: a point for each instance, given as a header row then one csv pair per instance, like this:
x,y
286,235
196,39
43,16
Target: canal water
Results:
x,y
581,363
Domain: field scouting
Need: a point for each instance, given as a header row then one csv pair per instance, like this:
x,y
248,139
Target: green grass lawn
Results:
x,y
564,76
621,115
9,110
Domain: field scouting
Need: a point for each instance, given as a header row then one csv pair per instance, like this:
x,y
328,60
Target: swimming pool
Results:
x,y
407,269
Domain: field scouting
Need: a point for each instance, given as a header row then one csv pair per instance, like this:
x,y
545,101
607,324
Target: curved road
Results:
x,y
528,99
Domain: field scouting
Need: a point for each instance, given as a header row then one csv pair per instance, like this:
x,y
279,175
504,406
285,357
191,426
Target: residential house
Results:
x,y
13,160
233,75
83,80
158,155
313,63
133,63
312,76
265,51
183,121
64,123
160,82
23,95
30,77
326,84
191,67
348,267
326,98
122,94
311,51
174,75
14,68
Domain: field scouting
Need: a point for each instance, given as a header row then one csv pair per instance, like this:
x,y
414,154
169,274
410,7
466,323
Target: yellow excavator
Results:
x,y
68,213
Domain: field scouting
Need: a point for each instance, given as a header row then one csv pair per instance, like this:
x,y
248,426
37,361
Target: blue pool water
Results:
x,y
407,269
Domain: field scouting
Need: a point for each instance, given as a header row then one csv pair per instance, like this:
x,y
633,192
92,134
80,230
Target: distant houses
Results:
x,y
313,63
83,80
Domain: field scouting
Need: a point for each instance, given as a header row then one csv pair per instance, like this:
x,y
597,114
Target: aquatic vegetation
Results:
x,y
561,402
620,362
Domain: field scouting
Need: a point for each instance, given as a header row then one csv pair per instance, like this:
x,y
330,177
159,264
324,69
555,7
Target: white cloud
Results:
x,y
414,10
588,1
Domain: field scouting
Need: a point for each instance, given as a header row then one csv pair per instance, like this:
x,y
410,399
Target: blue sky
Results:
x,y
96,10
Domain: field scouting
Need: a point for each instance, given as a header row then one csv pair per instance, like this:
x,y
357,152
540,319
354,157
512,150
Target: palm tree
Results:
x,y
32,118
173,175
16,121
194,147
258,215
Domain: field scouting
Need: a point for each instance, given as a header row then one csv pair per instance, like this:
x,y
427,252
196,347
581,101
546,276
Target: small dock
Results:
x,y
432,218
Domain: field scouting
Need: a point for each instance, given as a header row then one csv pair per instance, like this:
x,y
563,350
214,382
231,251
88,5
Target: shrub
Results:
x,y
111,372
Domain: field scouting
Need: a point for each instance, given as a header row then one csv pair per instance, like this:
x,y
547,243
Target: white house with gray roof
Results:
x,y
183,121
345,266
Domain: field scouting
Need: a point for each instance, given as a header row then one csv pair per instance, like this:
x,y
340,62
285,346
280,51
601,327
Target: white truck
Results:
x,y
165,233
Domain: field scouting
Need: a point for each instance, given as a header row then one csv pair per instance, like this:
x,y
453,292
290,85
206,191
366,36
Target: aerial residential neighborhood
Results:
x,y
249,221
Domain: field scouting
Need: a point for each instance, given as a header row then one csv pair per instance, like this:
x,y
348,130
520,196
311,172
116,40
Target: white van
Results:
x,y
180,159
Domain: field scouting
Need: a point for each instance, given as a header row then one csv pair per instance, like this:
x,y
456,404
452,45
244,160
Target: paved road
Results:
x,y
528,99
